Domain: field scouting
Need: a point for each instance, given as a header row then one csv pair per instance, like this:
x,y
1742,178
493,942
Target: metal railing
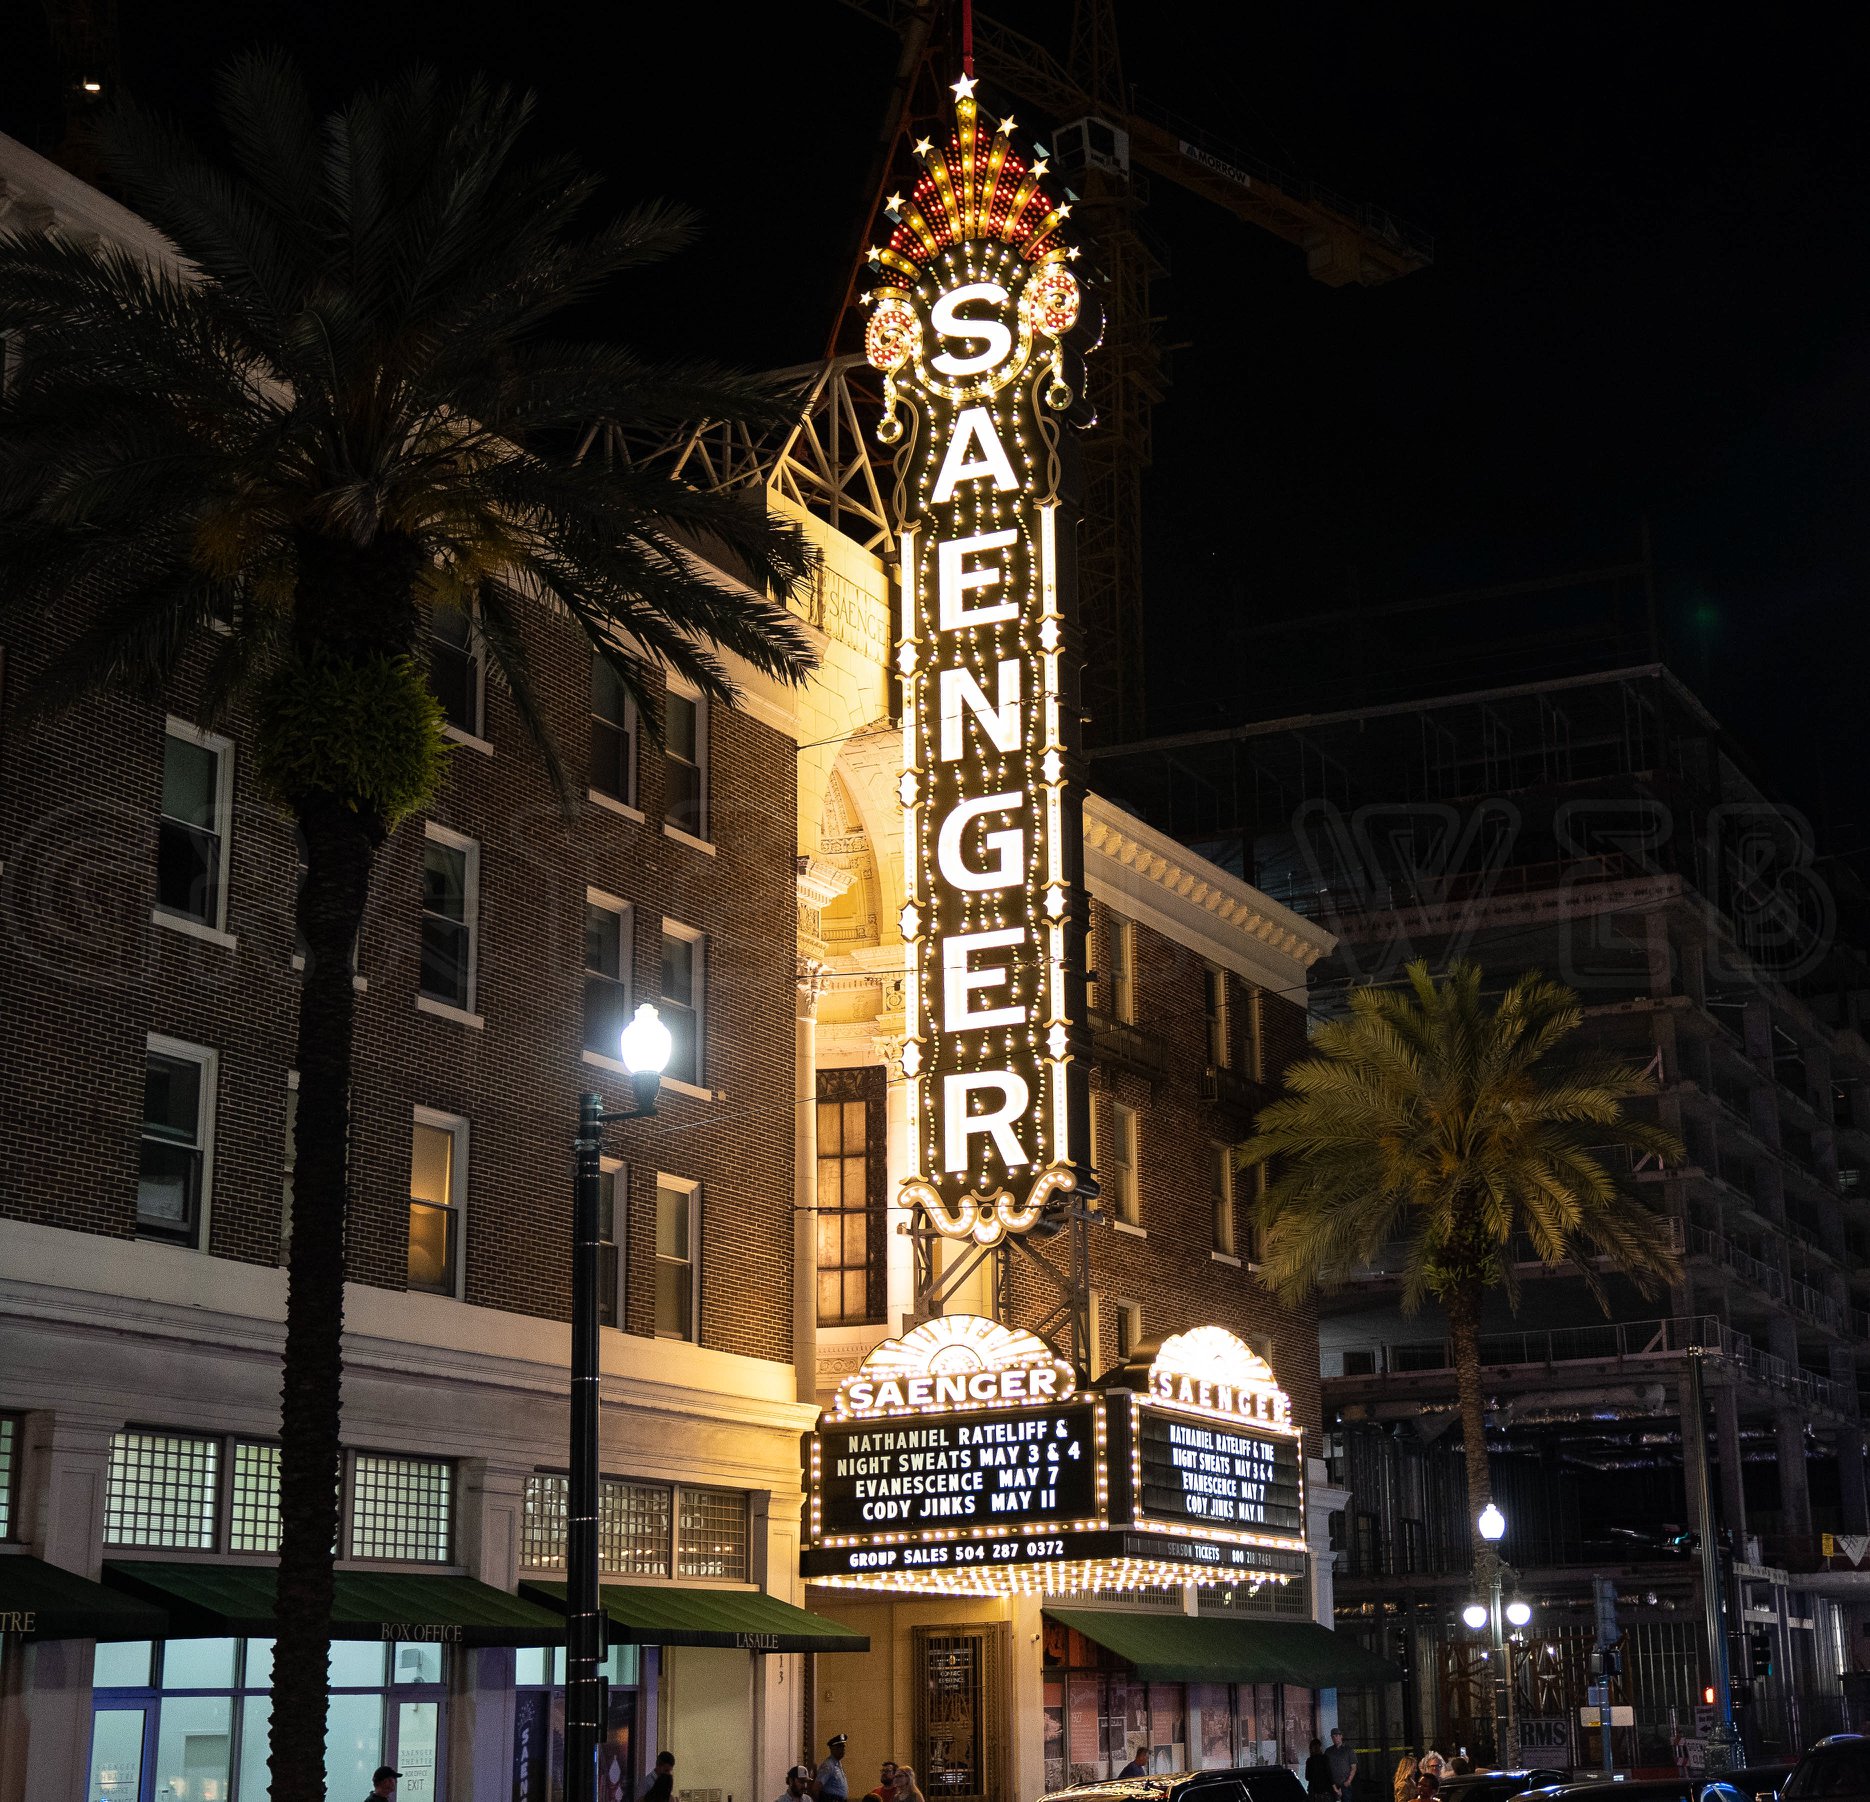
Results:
x,y
1619,1342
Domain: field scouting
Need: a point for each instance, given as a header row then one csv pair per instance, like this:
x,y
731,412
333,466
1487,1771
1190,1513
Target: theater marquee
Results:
x,y
962,1459
972,307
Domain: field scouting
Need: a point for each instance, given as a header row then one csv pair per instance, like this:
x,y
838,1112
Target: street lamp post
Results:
x,y
1492,1529
645,1045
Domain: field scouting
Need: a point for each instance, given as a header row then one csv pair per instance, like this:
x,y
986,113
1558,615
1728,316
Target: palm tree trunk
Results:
x,y
341,847
1463,1309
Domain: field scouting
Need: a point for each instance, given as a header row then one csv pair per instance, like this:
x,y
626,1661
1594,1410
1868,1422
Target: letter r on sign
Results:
x,y
958,1126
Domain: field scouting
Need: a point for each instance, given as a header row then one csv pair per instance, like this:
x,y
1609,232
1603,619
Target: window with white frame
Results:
x,y
606,974
437,1189
401,1509
253,1502
1119,1173
1221,1195
162,1491
712,1534
684,976
678,1257
9,1473
176,1156
643,1529
192,833
1118,947
613,1189
1129,1317
450,916
455,668
613,735
1220,1042
685,762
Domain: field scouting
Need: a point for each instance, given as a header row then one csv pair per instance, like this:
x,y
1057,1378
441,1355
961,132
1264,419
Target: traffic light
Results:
x,y
1760,1651
1707,1695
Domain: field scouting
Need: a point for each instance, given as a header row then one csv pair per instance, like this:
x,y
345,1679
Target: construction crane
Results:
x,y
1107,144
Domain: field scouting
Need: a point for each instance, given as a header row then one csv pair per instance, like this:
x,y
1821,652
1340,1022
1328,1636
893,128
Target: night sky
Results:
x,y
1647,302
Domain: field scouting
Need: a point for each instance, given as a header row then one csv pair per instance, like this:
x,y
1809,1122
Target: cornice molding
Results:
x,y
1141,871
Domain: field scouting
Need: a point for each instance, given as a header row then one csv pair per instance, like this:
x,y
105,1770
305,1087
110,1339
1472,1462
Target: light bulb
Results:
x,y
1492,1524
1518,1612
646,1043
1475,1614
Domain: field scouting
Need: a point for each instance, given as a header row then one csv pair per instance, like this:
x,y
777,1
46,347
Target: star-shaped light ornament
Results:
x,y
874,254
964,88
1009,124
894,204
1041,167
924,148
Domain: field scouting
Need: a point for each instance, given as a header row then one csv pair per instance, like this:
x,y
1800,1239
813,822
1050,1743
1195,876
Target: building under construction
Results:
x,y
1602,829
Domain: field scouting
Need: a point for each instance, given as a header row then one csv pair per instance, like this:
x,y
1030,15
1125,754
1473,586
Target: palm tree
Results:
x,y
1433,1123
341,415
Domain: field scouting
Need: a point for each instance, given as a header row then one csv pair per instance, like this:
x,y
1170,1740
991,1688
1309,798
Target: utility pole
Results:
x,y
1724,1744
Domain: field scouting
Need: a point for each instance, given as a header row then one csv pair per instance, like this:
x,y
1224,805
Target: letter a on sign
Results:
x,y
972,321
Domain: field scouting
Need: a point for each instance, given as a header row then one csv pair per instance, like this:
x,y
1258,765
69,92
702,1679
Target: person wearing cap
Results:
x,y
832,1786
798,1784
383,1783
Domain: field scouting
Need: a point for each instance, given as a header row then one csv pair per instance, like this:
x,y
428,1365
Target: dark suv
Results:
x,y
1255,1783
1837,1767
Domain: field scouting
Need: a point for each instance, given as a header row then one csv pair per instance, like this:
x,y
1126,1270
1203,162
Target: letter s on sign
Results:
x,y
993,335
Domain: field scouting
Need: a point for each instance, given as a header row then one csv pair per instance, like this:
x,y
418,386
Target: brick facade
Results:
x,y
85,975
1168,1267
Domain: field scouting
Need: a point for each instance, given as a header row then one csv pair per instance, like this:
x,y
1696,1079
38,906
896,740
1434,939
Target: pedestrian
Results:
x,y
384,1782
1428,1776
907,1789
1318,1771
1343,1762
1138,1766
659,1785
1402,1785
798,1784
831,1785
885,1790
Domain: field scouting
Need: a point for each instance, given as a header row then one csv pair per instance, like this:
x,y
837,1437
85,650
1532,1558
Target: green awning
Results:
x,y
211,1600
646,1614
1188,1648
41,1601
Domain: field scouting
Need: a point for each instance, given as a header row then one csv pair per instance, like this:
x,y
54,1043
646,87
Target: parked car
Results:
x,y
1255,1783
1643,1789
1763,1782
1497,1786
1835,1767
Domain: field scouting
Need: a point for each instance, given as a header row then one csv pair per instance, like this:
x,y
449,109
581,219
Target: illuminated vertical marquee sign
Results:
x,y
973,302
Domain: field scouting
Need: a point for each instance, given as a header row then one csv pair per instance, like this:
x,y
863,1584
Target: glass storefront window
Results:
x,y
353,1744
199,1664
195,1748
209,1705
122,1664
116,1754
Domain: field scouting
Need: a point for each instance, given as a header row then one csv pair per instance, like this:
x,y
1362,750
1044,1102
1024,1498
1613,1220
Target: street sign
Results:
x,y
1622,1714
